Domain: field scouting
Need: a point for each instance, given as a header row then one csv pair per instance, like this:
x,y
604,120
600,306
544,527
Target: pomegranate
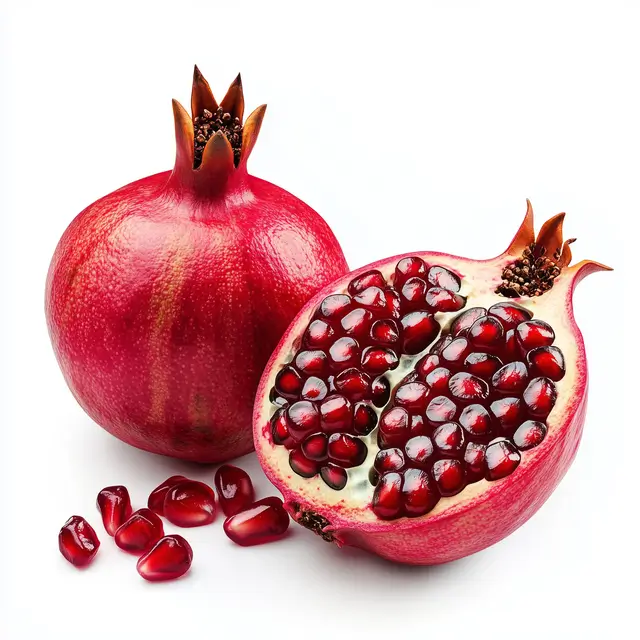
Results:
x,y
263,521
190,504
169,559
445,399
157,496
235,489
140,532
114,505
78,541
165,299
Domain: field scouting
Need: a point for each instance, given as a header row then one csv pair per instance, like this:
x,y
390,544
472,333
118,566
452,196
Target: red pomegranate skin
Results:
x,y
165,299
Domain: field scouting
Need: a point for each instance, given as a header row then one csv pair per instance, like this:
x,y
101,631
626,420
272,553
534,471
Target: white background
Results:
x,y
408,126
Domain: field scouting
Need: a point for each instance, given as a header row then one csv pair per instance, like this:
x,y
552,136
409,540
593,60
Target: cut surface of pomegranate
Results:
x,y
169,559
190,504
264,521
78,542
114,505
140,532
473,374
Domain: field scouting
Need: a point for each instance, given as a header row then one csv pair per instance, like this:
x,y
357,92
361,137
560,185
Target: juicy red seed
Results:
x,y
368,279
511,350
502,458
418,426
312,363
419,330
486,332
511,379
413,293
169,559
344,353
190,504
334,476
279,433
482,364
377,360
441,409
315,447
372,298
389,460
353,383
507,411
464,320
78,542
140,532
418,450
412,396
385,332
449,438
392,298
357,323
474,458
443,300
387,497
427,364
440,344
347,450
314,389
510,314
380,392
235,489
114,505
456,352
303,419
441,277
364,419
418,493
449,476
276,399
409,268
302,465
534,333
289,383
548,362
319,334
467,387
438,380
393,428
335,413
529,434
156,498
540,397
263,521
475,420
335,306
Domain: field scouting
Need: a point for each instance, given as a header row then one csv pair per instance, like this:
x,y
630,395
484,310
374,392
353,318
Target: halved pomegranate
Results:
x,y
449,399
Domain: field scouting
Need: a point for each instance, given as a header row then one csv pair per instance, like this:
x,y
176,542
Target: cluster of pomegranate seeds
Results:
x,y
78,541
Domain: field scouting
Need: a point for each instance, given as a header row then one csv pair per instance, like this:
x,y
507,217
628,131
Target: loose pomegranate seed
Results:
x,y
312,363
449,439
548,362
344,353
169,559
315,447
508,412
279,433
387,497
409,268
441,409
413,293
502,458
114,505
389,460
427,364
475,420
482,364
486,333
190,504
534,333
140,532
303,419
456,352
364,419
438,380
510,314
441,277
468,388
262,522
357,323
377,360
449,476
318,335
302,465
392,298
412,396
314,389
418,493
78,541
529,434
371,278
353,383
511,379
156,498
444,300
385,332
335,306
235,489
463,321
418,450
474,458
511,349
540,397
419,329
336,413
289,383
334,476
347,450
393,427
380,392
372,298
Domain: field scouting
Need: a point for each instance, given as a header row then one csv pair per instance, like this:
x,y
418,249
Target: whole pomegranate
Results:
x,y
165,299
425,406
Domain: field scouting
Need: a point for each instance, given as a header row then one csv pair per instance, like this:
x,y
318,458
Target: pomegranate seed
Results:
x,y
441,277
114,505
156,498
364,419
387,497
534,333
419,329
315,447
377,360
318,335
380,392
507,411
427,364
344,353
347,450
235,489
418,493
302,465
418,426
393,427
357,323
279,433
335,306
438,380
368,279
169,559
312,363
372,298
409,268
413,293
467,387
449,476
412,396
276,398
456,352
262,522
190,504
449,438
314,389
529,434
510,314
486,333
353,383
336,413
334,476
540,397
463,321
289,383
511,379
140,532
385,332
303,419
389,460
475,420
441,409
482,364
78,541
418,450
511,350
547,361
501,459
474,458
441,344
393,302
443,300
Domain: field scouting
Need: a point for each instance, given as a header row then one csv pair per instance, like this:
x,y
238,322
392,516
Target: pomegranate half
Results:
x,y
425,406
165,299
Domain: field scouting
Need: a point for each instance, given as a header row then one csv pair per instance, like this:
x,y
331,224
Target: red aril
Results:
x,y
140,532
78,542
262,522
169,559
156,498
190,504
235,489
114,505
